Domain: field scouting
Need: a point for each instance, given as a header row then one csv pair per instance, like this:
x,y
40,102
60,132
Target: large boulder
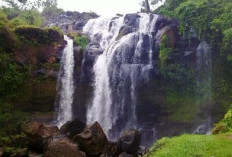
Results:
x,y
129,141
111,149
63,148
20,153
72,128
39,135
124,154
92,140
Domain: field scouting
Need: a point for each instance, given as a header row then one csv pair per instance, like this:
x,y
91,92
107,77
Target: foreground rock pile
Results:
x,y
73,139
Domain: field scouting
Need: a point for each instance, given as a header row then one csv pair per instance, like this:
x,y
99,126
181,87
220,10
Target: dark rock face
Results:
x,y
39,35
92,140
92,51
39,135
63,148
131,23
130,141
111,149
72,128
51,44
124,154
75,20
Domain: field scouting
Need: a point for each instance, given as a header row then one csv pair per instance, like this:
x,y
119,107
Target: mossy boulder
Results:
x,y
38,35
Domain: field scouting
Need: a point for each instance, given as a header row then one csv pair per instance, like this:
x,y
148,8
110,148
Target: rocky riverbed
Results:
x,y
73,139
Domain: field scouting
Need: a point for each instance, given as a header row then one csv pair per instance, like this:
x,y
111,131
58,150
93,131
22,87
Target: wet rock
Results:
x,y
130,25
130,141
63,148
72,128
20,153
92,140
39,135
124,154
74,19
111,149
1,152
92,51
32,154
78,55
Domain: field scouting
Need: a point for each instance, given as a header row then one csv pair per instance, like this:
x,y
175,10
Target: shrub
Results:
x,y
81,41
11,78
164,50
225,125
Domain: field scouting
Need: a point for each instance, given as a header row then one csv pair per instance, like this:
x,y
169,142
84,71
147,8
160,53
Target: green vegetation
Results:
x,y
11,75
79,39
165,50
193,146
24,45
225,125
205,19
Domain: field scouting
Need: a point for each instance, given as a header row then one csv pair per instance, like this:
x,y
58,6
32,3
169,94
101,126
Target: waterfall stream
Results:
x,y
65,85
125,62
204,81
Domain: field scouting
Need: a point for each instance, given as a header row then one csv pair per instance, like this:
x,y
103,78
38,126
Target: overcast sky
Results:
x,y
101,7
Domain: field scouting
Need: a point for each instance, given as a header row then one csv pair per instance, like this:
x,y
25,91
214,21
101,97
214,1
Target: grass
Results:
x,y
193,146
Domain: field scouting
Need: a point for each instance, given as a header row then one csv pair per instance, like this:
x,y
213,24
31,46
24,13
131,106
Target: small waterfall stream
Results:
x,y
204,80
65,85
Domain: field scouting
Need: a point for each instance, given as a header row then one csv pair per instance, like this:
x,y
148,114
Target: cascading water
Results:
x,y
125,63
66,88
204,80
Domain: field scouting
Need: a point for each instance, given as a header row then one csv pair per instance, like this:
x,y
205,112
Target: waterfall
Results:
x,y
65,84
126,62
204,80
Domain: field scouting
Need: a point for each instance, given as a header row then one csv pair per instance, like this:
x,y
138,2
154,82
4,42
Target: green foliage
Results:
x,y
7,38
177,74
80,40
50,9
226,44
18,141
225,125
201,18
11,78
18,17
179,103
5,112
164,50
192,146
27,17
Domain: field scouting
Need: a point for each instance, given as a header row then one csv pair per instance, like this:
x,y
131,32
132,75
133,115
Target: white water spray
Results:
x,y
126,60
66,80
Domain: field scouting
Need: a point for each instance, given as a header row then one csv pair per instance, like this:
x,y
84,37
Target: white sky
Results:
x,y
101,7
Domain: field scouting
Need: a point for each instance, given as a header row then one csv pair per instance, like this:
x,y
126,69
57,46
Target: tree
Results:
x,y
147,4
